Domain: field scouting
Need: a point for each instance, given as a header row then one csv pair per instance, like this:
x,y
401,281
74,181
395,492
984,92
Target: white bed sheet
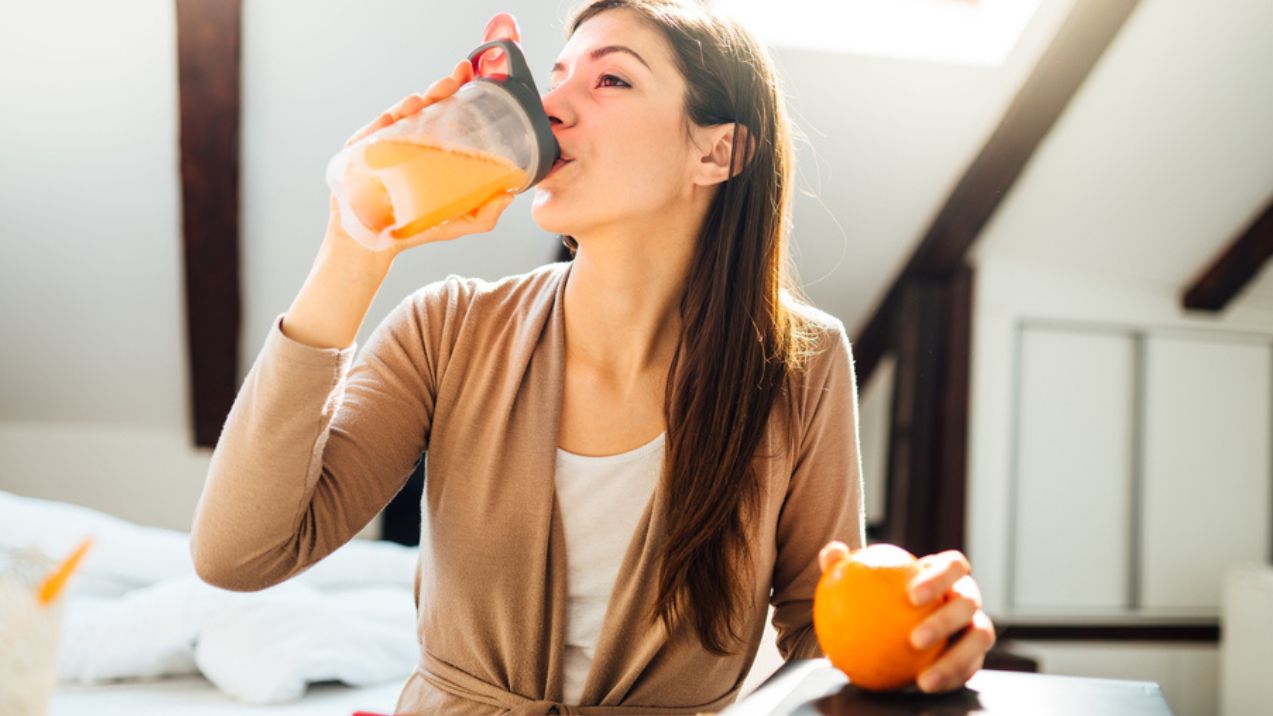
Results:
x,y
196,696
140,627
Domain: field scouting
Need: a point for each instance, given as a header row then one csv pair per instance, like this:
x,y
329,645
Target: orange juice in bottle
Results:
x,y
491,136
415,185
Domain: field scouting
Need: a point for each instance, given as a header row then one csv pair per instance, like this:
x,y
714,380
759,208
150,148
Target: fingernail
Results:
x,y
919,596
923,637
491,56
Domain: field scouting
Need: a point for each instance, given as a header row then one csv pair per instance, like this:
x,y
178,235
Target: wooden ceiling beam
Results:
x,y
1073,52
1231,271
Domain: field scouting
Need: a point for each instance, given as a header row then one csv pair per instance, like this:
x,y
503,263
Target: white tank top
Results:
x,y
601,500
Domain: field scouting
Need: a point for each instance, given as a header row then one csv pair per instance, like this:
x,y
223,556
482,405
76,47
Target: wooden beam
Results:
x,y
952,446
910,504
208,78
1078,45
1234,268
927,480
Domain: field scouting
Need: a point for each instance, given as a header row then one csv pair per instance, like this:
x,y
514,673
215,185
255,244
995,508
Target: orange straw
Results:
x,y
53,584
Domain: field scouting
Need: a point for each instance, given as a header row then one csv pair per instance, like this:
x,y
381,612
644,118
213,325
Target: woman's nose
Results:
x,y
557,108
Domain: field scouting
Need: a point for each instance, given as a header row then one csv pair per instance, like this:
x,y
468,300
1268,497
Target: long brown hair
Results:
x,y
739,342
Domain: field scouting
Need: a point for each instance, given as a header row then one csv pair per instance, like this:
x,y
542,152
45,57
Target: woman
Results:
x,y
665,366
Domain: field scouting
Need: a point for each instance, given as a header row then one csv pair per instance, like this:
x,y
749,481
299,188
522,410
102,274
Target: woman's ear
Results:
x,y
720,141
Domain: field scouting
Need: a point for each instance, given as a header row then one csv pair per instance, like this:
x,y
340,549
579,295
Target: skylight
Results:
x,y
967,32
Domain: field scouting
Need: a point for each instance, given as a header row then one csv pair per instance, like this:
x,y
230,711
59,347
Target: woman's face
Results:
x,y
617,109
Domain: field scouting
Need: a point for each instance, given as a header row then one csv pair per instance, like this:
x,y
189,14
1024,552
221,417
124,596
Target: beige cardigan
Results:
x,y
472,372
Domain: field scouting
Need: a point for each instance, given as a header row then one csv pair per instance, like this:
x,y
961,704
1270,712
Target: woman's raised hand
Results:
x,y
481,219
335,298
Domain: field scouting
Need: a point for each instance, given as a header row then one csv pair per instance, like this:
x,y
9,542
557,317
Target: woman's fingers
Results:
x,y
409,106
463,72
962,659
495,61
480,220
952,616
448,85
961,621
940,572
833,552
486,216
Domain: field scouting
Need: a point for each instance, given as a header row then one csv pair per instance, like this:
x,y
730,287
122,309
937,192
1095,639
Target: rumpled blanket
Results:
x,y
136,609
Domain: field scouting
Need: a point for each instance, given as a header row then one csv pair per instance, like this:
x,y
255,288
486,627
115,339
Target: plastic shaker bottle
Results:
x,y
450,158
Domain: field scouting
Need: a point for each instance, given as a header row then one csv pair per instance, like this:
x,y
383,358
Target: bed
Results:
x,y
141,633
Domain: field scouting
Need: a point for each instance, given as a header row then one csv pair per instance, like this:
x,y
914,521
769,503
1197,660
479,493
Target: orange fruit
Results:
x,y
863,617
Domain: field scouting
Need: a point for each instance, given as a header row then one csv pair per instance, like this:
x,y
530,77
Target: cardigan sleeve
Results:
x,y
315,444
824,494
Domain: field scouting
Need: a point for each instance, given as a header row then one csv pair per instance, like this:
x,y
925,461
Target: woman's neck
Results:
x,y
622,307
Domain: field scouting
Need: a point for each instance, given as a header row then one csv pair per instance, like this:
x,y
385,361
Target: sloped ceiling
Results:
x,y
887,140
1163,157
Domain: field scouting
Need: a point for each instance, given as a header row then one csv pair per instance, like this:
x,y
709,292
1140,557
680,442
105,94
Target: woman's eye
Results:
x,y
602,79
601,82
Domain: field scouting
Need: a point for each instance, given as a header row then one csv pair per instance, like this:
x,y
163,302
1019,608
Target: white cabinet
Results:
x,y
1207,466
1143,467
1074,459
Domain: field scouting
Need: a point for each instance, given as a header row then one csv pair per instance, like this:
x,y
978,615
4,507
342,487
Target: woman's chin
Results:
x,y
550,216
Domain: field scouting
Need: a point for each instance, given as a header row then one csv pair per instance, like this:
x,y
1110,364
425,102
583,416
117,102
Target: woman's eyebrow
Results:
x,y
602,52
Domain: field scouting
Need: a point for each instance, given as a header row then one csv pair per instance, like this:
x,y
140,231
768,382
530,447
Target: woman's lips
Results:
x,y
557,165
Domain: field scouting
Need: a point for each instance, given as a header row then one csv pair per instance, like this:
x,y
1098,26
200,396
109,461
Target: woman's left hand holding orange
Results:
x,y
947,576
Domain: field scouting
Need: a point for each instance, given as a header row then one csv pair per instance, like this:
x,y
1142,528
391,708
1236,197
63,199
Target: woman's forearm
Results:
x,y
337,294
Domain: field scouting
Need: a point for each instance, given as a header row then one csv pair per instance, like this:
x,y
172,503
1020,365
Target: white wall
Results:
x,y
89,262
93,385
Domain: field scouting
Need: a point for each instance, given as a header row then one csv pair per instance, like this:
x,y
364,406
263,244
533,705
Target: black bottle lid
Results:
x,y
521,85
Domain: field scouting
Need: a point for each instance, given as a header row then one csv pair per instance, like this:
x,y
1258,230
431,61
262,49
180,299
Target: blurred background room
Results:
x,y
1045,224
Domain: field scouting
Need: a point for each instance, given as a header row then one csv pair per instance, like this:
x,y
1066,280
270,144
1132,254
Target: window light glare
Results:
x,y
970,32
